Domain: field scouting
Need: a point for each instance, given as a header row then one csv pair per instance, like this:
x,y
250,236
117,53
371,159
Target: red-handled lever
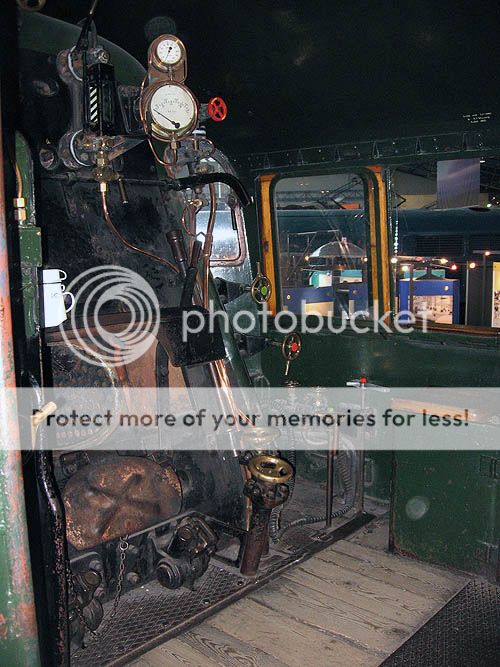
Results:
x,y
217,109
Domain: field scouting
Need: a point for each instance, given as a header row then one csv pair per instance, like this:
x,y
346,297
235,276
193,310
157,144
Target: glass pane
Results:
x,y
228,239
323,232
446,240
226,245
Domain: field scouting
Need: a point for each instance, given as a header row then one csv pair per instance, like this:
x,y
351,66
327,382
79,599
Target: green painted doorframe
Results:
x,y
18,627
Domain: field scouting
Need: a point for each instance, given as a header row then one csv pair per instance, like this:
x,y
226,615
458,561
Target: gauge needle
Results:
x,y
174,123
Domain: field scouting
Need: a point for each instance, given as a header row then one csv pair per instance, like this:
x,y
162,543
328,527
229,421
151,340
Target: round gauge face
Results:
x,y
173,108
169,52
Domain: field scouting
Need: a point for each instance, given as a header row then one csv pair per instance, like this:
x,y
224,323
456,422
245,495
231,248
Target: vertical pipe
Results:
x,y
256,539
18,628
333,446
360,468
207,247
483,294
411,288
467,294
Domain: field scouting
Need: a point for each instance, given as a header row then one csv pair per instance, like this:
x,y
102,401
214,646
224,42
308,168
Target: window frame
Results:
x,y
374,191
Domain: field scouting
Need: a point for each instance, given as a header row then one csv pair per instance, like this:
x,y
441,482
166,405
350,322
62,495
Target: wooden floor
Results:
x,y
351,604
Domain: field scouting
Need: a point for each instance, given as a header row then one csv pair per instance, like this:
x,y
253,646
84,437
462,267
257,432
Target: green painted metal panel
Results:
x,y
446,509
18,637
399,360
30,240
378,474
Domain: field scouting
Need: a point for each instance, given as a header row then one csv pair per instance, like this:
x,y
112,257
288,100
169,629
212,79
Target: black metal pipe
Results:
x,y
333,448
55,557
204,179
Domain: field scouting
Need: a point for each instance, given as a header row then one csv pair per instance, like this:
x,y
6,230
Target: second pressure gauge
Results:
x,y
168,54
169,51
170,110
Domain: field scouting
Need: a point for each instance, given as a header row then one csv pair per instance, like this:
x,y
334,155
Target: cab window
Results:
x,y
445,221
229,244
323,240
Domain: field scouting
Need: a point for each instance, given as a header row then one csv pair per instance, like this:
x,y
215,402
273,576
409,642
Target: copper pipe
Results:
x,y
17,601
207,247
104,200
218,368
19,181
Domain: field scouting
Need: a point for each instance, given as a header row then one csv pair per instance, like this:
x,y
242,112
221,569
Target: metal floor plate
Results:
x,y
464,633
150,615
149,611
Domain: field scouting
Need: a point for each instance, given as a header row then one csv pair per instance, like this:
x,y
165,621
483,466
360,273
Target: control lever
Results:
x,y
82,39
290,349
363,382
189,271
192,272
176,242
291,346
266,489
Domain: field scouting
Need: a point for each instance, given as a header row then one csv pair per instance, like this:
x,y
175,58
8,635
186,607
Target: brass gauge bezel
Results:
x,y
175,71
156,130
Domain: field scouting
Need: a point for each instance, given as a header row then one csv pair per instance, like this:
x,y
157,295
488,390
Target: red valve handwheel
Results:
x,y
217,109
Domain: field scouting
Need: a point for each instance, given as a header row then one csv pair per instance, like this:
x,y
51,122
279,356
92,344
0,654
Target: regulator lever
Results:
x,y
176,242
87,21
204,179
192,272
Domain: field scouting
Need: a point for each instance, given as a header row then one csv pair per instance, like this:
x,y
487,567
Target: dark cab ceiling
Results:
x,y
315,72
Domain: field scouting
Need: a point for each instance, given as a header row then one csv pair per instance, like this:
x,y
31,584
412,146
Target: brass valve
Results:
x,y
266,489
20,209
270,469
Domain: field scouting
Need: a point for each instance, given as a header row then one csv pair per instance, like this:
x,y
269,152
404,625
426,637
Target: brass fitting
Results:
x,y
20,209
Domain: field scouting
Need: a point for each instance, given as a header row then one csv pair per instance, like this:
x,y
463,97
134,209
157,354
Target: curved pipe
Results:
x,y
205,179
207,247
130,246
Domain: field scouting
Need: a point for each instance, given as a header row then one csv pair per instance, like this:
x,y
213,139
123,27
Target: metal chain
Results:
x,y
105,624
73,595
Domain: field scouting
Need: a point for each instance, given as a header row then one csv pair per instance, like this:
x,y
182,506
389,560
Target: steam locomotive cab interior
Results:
x,y
130,219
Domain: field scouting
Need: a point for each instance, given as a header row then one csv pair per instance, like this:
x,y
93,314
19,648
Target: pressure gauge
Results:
x,y
170,110
168,54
